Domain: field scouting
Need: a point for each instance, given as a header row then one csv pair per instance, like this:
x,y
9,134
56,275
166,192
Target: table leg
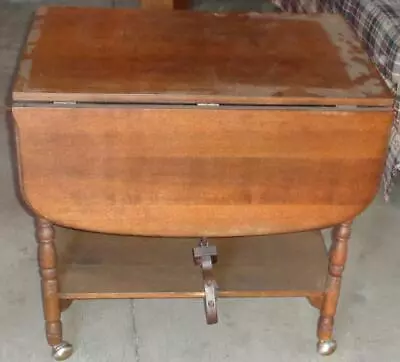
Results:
x,y
165,4
337,260
51,302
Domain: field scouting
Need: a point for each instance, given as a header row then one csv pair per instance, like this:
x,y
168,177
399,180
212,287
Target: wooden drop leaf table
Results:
x,y
195,155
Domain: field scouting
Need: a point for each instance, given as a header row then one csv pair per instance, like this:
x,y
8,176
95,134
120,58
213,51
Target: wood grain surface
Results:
x,y
199,171
126,55
95,265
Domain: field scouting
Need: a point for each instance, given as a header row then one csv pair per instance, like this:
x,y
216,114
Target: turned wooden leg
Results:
x,y
51,302
337,260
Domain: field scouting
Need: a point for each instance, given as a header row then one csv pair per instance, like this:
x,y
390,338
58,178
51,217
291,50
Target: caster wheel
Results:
x,y
326,348
62,351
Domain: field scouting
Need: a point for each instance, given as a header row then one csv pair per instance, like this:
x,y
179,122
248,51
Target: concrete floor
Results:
x,y
368,320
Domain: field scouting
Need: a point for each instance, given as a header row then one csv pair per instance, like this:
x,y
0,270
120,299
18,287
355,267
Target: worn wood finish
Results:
x,y
48,263
165,4
337,261
195,124
94,265
127,55
189,172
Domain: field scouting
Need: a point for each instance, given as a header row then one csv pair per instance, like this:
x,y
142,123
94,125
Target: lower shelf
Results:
x,y
93,265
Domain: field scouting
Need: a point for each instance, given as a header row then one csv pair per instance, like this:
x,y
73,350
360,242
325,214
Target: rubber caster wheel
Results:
x,y
62,351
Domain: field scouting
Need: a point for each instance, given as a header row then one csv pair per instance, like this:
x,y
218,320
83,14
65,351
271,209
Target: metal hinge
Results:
x,y
207,104
64,103
347,107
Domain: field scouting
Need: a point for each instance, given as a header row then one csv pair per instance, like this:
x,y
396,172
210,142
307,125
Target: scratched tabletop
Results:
x,y
134,56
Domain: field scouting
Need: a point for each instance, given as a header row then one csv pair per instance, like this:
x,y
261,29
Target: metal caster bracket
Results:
x,y
62,351
205,256
326,348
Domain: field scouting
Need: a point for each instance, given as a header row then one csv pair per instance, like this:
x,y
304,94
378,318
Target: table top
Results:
x,y
138,56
